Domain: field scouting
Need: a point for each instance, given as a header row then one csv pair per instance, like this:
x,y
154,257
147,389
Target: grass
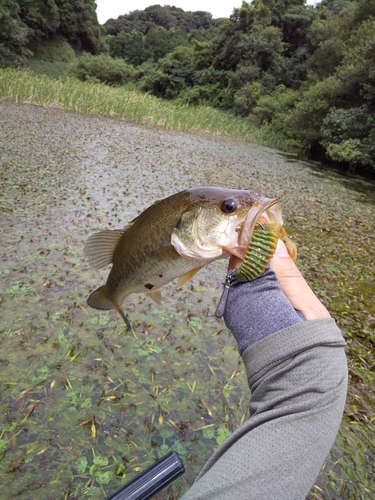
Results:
x,y
53,69
68,93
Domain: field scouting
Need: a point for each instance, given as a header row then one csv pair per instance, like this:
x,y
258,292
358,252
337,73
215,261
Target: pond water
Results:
x,y
85,405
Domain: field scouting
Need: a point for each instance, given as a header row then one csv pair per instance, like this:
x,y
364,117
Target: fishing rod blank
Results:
x,y
152,480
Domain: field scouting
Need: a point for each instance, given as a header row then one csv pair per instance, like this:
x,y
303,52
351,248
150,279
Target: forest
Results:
x,y
303,74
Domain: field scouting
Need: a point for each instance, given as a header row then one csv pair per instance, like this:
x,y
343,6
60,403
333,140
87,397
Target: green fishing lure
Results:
x,y
259,252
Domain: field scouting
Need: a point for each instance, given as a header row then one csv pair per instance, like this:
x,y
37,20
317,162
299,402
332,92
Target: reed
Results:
x,y
23,86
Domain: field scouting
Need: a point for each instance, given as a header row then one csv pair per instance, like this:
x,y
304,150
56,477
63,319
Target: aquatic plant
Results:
x,y
75,386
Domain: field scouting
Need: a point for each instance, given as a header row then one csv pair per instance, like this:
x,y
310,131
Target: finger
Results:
x,y
295,287
234,262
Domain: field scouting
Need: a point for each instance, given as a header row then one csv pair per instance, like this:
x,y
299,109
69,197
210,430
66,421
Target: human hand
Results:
x,y
292,283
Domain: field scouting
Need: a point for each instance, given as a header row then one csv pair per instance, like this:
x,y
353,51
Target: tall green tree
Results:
x,y
15,35
79,24
129,46
25,24
166,17
159,41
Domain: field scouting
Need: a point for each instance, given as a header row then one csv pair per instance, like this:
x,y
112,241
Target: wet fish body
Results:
x,y
173,238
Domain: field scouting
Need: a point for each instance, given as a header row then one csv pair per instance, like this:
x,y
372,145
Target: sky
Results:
x,y
107,9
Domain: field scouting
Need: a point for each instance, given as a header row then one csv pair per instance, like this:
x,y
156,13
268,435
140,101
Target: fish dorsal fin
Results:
x,y
100,246
155,295
187,276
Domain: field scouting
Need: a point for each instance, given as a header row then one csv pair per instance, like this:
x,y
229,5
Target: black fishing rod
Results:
x,y
152,480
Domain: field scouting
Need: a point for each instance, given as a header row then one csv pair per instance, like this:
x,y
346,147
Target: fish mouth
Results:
x,y
266,210
263,211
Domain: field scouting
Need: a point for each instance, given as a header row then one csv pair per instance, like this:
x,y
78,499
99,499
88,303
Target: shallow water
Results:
x,y
84,404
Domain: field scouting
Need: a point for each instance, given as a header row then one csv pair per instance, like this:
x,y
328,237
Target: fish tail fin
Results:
x,y
99,300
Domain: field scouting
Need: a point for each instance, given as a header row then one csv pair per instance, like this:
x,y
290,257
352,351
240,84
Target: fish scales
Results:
x,y
140,257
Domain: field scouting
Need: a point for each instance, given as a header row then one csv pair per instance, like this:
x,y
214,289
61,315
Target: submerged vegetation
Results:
x,y
302,75
86,405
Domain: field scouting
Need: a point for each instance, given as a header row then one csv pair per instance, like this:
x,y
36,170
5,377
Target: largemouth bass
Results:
x,y
174,238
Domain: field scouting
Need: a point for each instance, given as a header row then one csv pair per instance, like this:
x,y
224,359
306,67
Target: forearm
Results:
x,y
298,380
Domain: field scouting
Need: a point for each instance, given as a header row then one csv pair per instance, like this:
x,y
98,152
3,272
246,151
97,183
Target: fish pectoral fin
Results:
x,y
100,246
187,276
155,295
238,251
165,254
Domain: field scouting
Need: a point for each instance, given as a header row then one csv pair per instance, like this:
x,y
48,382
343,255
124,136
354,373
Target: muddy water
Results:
x,y
85,405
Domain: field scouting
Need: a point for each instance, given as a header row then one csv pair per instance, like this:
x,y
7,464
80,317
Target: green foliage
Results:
x,y
136,48
254,36
327,57
3,444
81,465
102,69
95,470
14,35
247,97
211,95
270,108
98,460
294,19
336,112
220,434
128,46
28,26
41,17
203,35
159,41
54,69
357,71
343,124
264,48
166,17
54,50
348,136
303,121
282,64
203,55
79,25
173,74
328,35
160,84
349,151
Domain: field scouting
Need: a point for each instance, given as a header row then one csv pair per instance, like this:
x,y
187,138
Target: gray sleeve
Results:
x,y
257,308
298,380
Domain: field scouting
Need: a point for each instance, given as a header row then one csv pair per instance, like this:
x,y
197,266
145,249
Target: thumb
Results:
x,y
295,286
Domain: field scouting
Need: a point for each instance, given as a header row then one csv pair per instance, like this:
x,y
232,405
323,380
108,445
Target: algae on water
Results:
x,y
85,405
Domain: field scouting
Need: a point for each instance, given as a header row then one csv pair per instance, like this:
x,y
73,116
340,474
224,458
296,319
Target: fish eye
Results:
x,y
229,206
